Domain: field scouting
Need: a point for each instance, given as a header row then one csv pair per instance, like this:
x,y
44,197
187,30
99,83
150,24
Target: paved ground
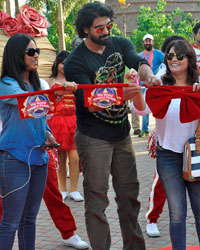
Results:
x,y
48,237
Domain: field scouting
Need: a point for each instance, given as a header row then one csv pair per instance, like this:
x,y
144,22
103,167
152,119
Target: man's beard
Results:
x,y
148,47
99,41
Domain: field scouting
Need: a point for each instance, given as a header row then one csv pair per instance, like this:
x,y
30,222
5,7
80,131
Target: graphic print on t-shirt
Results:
x,y
111,72
113,69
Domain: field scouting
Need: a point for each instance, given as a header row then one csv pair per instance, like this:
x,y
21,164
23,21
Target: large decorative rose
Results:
x,y
31,17
11,26
27,29
3,16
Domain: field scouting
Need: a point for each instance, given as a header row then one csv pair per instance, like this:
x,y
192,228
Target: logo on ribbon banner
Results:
x,y
36,106
104,97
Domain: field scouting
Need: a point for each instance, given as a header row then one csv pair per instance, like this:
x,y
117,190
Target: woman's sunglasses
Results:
x,y
180,56
31,51
101,28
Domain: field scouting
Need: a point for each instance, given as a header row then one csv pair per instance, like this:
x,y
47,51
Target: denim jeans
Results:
x,y
145,119
169,167
21,207
99,158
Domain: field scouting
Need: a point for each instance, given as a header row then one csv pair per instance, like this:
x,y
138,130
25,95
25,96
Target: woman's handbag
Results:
x,y
191,157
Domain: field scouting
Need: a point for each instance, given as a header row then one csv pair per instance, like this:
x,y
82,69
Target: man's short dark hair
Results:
x,y
88,13
168,40
196,28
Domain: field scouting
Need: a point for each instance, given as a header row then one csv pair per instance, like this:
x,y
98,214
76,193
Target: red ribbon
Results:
x,y
80,86
159,98
43,101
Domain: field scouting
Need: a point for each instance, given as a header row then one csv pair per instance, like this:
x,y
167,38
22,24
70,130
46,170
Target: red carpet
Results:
x,y
170,248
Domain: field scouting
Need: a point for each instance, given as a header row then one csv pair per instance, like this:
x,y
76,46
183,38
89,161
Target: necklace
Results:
x,y
150,60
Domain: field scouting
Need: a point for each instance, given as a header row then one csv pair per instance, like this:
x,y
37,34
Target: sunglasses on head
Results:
x,y
31,51
179,56
101,28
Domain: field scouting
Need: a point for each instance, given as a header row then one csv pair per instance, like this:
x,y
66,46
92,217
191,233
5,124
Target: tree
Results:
x,y
60,27
8,7
161,25
70,8
16,7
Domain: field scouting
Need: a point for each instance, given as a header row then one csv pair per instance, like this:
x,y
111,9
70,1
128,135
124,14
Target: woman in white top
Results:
x,y
171,136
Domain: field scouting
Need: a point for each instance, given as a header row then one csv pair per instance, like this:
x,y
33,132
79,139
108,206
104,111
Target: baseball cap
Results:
x,y
148,36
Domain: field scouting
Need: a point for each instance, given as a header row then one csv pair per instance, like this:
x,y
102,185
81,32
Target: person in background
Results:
x,y
23,162
102,136
196,44
135,122
157,195
63,126
181,70
155,58
76,41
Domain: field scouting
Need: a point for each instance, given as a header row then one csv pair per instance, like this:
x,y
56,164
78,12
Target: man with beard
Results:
x,y
155,58
102,137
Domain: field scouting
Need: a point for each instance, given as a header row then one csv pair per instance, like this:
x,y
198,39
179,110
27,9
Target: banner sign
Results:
x,y
36,106
39,103
103,95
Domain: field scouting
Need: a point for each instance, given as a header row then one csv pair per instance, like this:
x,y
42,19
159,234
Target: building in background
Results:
x,y
126,14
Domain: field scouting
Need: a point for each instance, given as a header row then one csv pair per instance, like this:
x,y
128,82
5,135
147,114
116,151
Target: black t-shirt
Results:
x,y
87,67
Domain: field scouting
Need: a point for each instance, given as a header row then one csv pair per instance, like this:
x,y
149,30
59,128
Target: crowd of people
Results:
x,y
95,137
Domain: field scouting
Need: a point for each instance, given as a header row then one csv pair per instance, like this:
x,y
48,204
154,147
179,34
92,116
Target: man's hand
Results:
x,y
131,91
151,80
147,76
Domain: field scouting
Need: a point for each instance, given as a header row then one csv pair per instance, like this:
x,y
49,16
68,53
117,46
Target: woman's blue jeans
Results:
x,y
145,119
21,207
169,167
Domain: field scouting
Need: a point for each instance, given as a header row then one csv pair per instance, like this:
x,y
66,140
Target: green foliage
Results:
x,y
69,35
2,5
115,31
161,25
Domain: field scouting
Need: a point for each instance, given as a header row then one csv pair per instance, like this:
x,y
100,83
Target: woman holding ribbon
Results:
x,y
171,136
23,162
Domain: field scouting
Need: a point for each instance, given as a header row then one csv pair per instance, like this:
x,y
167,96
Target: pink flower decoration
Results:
x,y
11,26
3,16
32,18
27,29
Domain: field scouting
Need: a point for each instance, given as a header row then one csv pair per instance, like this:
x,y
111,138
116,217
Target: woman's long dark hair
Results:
x,y
60,57
183,47
13,64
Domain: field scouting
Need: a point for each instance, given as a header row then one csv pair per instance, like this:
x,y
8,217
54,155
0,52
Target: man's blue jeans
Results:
x,y
21,207
169,167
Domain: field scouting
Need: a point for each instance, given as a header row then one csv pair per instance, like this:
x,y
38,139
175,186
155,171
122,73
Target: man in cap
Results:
x,y
155,58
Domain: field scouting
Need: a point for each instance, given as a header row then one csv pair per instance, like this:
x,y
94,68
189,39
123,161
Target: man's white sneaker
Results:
x,y
76,242
64,195
76,196
152,230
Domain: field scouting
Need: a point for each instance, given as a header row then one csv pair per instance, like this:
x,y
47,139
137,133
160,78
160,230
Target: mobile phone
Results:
x,y
50,145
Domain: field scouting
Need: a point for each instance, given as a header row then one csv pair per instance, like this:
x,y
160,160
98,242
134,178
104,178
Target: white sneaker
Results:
x,y
76,242
76,196
152,230
64,194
